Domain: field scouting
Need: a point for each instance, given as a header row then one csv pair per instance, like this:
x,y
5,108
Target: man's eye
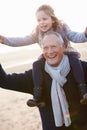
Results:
x,y
45,48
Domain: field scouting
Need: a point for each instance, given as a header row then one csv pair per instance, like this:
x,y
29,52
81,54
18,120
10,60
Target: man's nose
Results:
x,y
50,50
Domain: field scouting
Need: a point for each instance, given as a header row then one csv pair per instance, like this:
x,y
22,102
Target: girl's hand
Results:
x,y
86,32
1,39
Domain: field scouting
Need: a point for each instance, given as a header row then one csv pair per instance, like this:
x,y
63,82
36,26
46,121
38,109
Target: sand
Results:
x,y
14,113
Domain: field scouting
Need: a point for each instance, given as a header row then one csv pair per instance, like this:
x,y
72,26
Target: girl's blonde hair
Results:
x,y
49,11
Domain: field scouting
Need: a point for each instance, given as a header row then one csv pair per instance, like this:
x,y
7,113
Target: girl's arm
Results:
x,y
18,82
77,37
19,41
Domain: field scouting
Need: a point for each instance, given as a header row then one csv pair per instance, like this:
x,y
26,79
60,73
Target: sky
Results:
x,y
17,17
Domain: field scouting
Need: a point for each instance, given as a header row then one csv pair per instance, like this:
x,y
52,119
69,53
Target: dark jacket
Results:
x,y
23,82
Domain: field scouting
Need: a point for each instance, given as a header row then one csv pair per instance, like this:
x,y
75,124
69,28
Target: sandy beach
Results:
x,y
14,113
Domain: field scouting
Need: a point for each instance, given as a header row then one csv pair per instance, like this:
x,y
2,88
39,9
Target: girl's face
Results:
x,y
45,21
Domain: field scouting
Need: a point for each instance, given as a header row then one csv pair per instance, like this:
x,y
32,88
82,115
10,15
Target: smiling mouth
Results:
x,y
43,27
52,57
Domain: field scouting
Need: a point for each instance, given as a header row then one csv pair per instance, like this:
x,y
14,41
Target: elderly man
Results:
x,y
63,110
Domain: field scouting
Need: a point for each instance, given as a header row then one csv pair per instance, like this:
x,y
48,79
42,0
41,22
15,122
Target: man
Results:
x,y
63,110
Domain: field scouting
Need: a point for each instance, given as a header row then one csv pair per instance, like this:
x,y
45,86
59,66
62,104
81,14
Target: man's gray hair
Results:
x,y
60,39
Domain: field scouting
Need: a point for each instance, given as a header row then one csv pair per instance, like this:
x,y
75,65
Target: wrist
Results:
x,y
85,34
1,39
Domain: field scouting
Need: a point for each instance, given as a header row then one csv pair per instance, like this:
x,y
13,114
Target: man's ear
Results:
x,y
65,45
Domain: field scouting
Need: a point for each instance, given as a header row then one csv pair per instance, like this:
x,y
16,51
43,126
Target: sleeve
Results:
x,y
77,37
37,72
20,41
84,65
18,82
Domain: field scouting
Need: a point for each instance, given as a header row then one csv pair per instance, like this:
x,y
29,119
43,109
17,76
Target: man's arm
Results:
x,y
18,82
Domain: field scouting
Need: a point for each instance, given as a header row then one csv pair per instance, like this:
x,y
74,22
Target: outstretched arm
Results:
x,y
77,37
18,41
18,82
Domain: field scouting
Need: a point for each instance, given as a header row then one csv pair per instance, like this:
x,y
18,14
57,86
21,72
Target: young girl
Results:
x,y
47,21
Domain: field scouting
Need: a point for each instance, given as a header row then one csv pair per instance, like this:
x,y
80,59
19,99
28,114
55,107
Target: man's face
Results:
x,y
52,50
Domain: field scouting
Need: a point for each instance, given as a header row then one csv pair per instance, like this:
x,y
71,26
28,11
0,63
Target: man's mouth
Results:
x,y
52,57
